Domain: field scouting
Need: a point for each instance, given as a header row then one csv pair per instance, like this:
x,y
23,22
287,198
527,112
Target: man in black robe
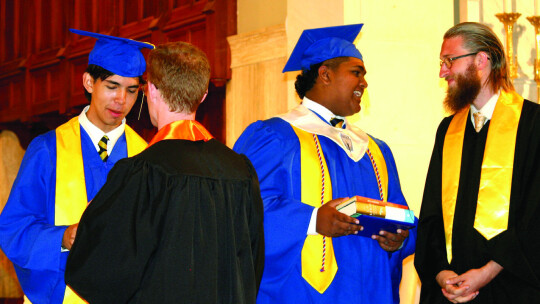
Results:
x,y
182,221
477,238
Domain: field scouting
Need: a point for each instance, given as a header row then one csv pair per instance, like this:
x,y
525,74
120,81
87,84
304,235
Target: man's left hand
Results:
x,y
391,241
475,279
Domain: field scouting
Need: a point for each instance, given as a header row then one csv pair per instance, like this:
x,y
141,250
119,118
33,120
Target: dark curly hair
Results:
x,y
306,80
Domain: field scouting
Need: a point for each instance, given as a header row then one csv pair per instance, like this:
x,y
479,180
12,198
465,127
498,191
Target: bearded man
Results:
x,y
477,237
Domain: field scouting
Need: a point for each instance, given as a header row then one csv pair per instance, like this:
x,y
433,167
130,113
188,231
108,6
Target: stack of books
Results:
x,y
375,215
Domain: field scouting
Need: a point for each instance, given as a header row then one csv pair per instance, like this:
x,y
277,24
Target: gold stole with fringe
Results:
x,y
493,203
71,198
319,265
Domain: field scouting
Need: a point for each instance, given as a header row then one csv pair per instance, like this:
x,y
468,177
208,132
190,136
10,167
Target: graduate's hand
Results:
x,y
391,241
454,289
333,223
69,236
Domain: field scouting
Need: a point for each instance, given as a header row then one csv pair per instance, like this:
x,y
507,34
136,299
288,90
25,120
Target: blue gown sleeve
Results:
x,y
28,235
273,149
395,195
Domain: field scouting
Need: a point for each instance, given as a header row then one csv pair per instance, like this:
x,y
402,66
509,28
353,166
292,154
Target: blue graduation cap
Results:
x,y
317,45
120,56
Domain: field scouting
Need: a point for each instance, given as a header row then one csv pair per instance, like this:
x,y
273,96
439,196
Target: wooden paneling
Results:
x,y
41,62
258,89
12,97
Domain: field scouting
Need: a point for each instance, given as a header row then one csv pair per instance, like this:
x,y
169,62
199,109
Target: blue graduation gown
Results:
x,y
366,273
28,235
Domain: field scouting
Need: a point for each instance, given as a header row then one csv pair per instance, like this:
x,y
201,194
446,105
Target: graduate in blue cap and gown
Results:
x,y
181,222
308,161
62,170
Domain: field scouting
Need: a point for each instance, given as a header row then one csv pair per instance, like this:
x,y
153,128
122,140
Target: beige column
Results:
x,y
258,89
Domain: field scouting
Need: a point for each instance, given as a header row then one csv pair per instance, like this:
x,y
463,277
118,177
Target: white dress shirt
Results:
x,y
96,133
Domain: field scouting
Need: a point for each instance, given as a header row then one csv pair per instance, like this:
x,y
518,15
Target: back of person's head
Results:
x,y
181,72
480,38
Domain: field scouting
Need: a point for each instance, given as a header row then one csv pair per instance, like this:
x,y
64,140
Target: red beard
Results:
x,y
464,92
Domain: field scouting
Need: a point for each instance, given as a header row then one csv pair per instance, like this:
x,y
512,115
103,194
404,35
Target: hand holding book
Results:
x,y
391,241
333,223
379,218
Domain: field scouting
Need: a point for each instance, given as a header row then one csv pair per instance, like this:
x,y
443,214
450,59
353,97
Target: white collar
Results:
x,y
320,109
487,109
96,133
352,139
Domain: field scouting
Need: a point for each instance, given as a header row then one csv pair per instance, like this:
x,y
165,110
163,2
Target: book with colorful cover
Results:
x,y
375,215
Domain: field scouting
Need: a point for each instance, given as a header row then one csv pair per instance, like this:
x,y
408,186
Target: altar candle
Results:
x,y
505,5
536,7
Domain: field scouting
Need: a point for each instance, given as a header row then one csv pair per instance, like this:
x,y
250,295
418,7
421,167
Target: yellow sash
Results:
x,y
496,174
71,198
379,166
312,190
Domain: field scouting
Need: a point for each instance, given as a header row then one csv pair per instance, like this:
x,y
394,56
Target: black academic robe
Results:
x,y
182,222
516,249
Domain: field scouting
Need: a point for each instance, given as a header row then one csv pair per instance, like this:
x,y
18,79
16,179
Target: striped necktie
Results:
x,y
336,122
103,148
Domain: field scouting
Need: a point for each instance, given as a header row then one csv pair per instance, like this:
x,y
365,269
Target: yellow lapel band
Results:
x,y
135,143
497,167
71,198
493,203
318,252
70,182
379,166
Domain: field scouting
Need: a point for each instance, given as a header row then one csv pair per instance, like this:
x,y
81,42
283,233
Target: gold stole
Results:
x,y
496,174
379,166
318,252
71,198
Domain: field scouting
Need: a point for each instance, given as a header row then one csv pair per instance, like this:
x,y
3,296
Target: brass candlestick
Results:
x,y
535,21
508,19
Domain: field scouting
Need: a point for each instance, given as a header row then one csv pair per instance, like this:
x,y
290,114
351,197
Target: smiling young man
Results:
x,y
63,170
194,203
477,238
308,161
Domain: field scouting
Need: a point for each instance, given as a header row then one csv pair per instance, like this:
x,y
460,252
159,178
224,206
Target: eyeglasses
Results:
x,y
448,61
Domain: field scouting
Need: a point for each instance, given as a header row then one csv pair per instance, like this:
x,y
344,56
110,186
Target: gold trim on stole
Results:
x,y
493,203
71,197
312,251
311,175
380,162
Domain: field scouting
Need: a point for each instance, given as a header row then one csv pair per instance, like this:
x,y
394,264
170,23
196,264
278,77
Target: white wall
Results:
x,y
400,43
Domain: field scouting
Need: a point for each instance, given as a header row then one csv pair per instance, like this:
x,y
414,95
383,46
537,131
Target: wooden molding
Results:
x,y
258,46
